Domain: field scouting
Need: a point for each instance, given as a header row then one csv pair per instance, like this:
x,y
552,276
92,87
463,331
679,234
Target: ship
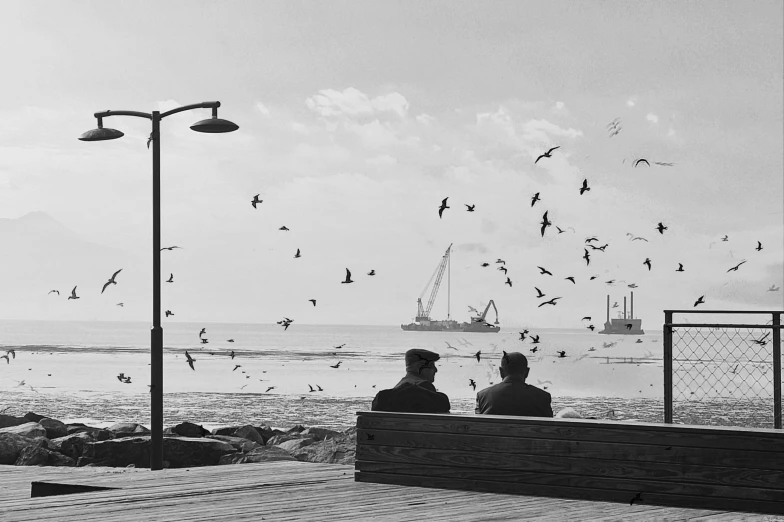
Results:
x,y
423,322
623,324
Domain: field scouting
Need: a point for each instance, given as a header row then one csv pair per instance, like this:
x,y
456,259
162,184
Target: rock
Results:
x,y
127,429
283,437
72,445
568,413
232,458
266,432
11,445
10,420
239,443
32,456
267,454
189,429
33,417
337,450
98,433
180,452
54,428
225,431
320,433
250,433
29,429
294,444
58,459
296,429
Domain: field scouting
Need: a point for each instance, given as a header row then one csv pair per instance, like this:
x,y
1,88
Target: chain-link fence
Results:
x,y
723,374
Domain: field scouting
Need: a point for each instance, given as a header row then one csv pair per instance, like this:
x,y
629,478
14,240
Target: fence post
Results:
x,y
776,370
667,356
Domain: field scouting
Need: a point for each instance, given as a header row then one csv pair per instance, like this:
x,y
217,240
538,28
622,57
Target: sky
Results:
x,y
358,118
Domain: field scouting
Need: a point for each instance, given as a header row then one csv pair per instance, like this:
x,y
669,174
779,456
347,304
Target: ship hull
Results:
x,y
619,327
451,326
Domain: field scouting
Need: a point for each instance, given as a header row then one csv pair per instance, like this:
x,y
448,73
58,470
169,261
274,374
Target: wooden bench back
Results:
x,y
670,465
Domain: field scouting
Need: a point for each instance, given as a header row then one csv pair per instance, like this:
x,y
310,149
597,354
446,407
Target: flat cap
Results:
x,y
417,354
514,361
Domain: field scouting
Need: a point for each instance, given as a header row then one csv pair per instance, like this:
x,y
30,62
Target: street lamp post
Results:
x,y
210,125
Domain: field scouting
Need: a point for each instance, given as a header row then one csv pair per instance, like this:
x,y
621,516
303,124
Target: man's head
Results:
x,y
422,363
514,364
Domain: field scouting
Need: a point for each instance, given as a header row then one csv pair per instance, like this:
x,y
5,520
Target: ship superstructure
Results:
x,y
623,324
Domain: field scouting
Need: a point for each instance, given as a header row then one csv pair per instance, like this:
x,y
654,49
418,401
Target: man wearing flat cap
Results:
x,y
512,396
415,393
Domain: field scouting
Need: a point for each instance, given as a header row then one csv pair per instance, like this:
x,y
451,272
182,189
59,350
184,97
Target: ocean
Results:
x,y
68,371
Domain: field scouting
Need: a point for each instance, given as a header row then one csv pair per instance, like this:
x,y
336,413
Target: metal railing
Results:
x,y
713,370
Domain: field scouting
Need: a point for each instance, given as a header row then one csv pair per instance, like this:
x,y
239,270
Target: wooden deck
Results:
x,y
295,491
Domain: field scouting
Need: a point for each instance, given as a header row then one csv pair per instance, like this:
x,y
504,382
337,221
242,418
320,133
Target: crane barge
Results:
x,y
423,322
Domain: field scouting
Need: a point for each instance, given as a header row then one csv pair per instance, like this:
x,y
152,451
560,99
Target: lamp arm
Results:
x,y
203,105
123,113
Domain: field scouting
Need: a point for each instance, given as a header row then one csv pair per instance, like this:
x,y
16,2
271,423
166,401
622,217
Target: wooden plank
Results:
x,y
577,429
469,443
547,490
620,469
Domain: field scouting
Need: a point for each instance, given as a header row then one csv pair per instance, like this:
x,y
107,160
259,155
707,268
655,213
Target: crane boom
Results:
x,y
488,308
424,314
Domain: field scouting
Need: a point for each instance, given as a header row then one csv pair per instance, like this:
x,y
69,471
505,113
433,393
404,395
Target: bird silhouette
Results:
x,y
550,302
534,349
773,288
450,346
237,366
735,268
336,365
587,257
561,353
371,273
73,294
442,207
640,161
615,304
725,238
469,208
759,247
341,346
472,309
297,255
229,340
312,301
485,265
11,352
190,359
502,269
559,229
232,355
202,332
508,282
270,388
7,360
586,318
636,498
256,200
534,199
501,261
638,238
472,384
680,268
593,238
478,356
545,222
570,278
648,263
591,327
541,294
348,277
311,388
661,228
170,248
544,271
546,154
205,340
633,285
585,187
535,339
522,335
169,312
171,278
56,291
629,327
701,300
284,228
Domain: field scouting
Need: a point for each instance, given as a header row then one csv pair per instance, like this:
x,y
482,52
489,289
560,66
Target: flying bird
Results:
x,y
522,335
661,228
502,269
773,288
442,207
341,346
499,260
615,304
587,257
284,228
534,199
594,238
372,272
472,384
535,339
636,498
205,340
73,294
485,264
472,309
312,301
725,238
232,354
7,360
170,248
591,327
638,238
585,187
297,255
311,388
545,222
478,356
256,200
759,247
629,326
171,278
541,294
571,278
680,268
640,161
202,332
546,154
229,340
534,349
559,229
319,388
699,301
469,208
632,285
190,359
348,277
561,353
237,366
270,388
648,263
169,312
550,302
735,268
56,291
336,365
508,282
544,271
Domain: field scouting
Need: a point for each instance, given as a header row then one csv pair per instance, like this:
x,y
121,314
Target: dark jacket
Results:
x,y
412,378
513,396
407,397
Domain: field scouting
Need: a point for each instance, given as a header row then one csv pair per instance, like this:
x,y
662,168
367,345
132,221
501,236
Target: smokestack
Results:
x,y
624,308
608,308
632,316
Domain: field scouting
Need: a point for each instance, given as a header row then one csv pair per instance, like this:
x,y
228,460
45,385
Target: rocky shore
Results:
x,y
35,440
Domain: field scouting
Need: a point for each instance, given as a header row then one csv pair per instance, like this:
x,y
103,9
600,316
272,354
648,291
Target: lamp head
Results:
x,y
214,125
101,134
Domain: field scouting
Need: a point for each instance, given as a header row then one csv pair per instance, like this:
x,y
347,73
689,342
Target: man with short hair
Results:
x,y
512,396
415,393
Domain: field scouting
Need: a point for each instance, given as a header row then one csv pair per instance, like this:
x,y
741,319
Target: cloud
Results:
x,y
631,102
262,108
651,117
425,119
352,103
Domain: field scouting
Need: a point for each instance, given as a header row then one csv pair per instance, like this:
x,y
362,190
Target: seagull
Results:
x,y
535,339
341,346
701,300
348,277
484,265
232,354
472,384
594,238
270,388
11,352
170,248
544,271
205,341
7,360
611,281
534,349
543,382
256,200
449,345
202,332
561,353
547,154
615,304
545,222
502,269
469,208
661,228
585,187
637,497
311,388
171,278
534,199
508,282
725,238
312,301
559,229
633,285
639,238
336,365
680,268
773,288
640,161
169,312
735,268
190,359
587,257
371,273
648,263
541,294
478,355
522,335
499,260
629,327
237,366
297,255
472,309
591,327
442,207
571,278
551,302
759,247
229,340
73,294
56,291
121,376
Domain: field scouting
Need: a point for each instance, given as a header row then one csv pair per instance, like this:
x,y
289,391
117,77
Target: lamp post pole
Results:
x,y
211,125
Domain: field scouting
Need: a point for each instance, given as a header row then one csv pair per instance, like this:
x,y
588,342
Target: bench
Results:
x,y
659,464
